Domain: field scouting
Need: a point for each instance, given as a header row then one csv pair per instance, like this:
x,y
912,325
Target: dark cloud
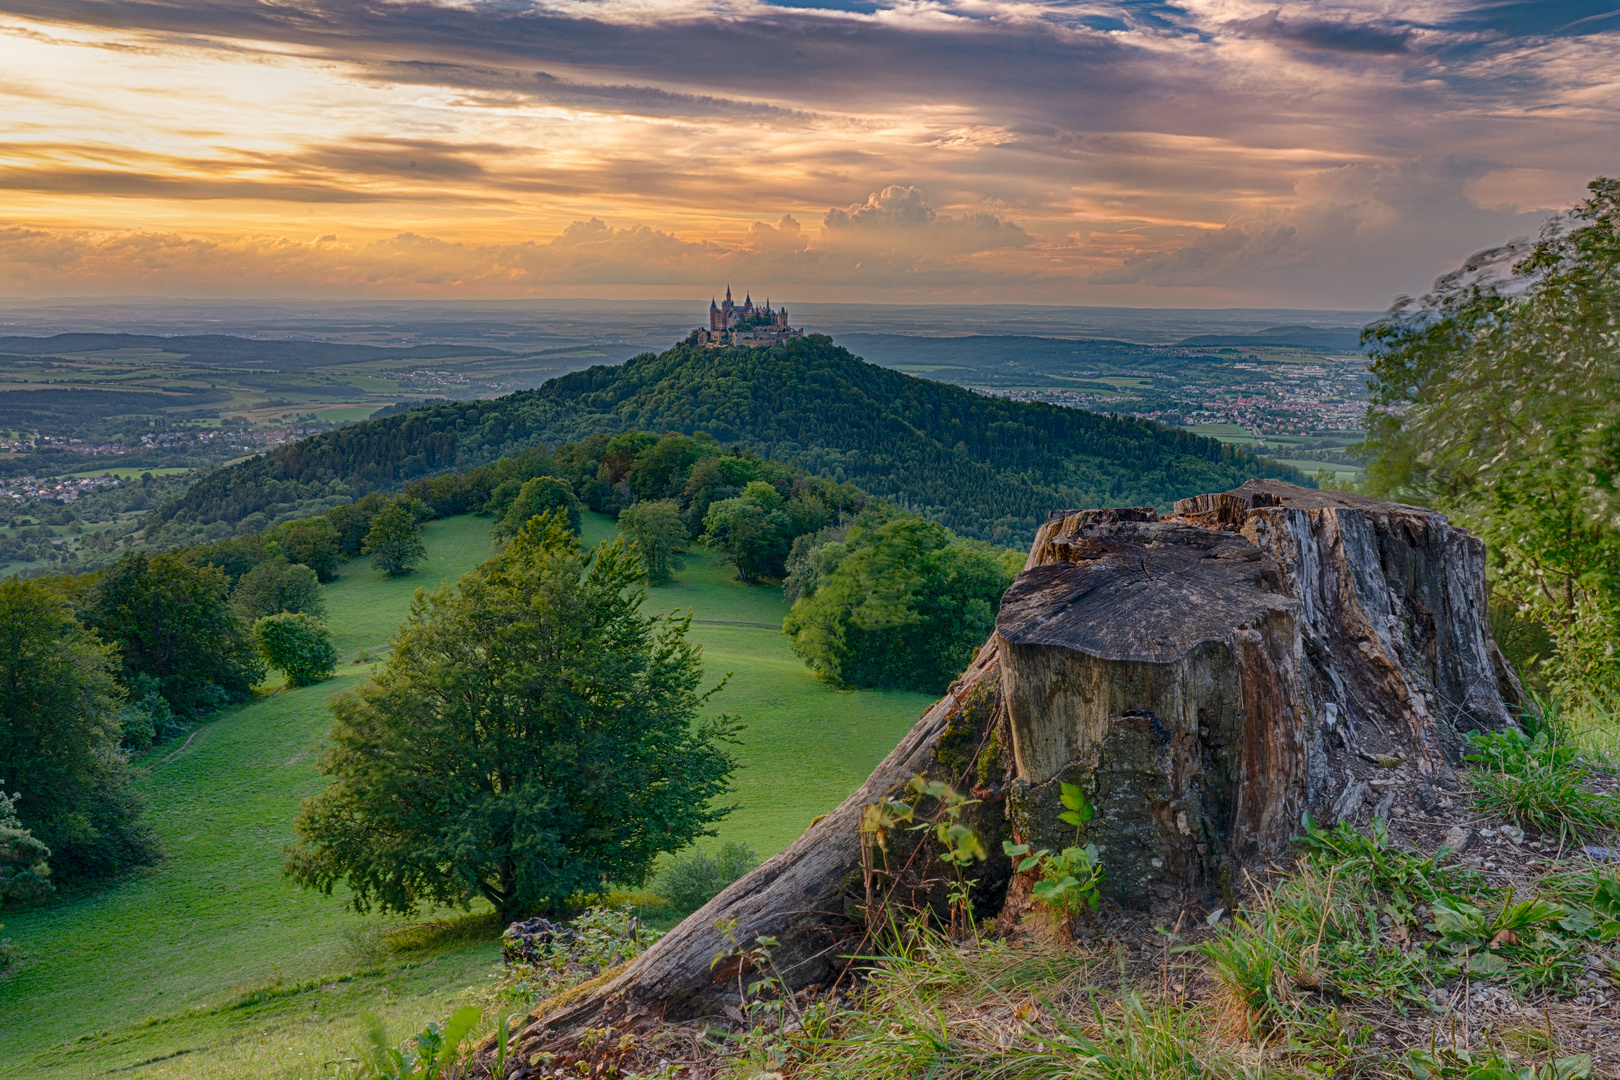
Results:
x,y
1326,36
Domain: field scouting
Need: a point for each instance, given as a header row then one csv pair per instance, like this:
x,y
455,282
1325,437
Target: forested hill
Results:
x,y
985,466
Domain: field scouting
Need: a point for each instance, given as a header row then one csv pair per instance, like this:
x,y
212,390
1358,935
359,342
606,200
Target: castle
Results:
x,y
744,324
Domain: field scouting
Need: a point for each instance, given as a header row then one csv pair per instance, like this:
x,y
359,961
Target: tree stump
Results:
x,y
1207,678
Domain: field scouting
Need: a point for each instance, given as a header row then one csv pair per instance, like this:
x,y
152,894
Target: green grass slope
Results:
x,y
211,965
987,467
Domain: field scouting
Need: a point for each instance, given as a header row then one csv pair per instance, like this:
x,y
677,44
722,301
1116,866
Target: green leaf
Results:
x,y
1075,799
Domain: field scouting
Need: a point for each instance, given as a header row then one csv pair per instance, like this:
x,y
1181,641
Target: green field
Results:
x,y
125,474
210,965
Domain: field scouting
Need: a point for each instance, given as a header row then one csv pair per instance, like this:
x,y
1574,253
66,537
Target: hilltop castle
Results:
x,y
731,323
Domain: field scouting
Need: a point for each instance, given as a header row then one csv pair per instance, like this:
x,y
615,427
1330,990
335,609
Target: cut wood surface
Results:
x,y
1206,678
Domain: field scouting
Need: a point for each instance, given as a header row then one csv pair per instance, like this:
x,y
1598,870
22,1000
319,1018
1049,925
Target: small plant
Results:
x,y
1489,1063
1408,878
1521,941
432,1054
1539,783
960,845
690,881
1071,880
751,1000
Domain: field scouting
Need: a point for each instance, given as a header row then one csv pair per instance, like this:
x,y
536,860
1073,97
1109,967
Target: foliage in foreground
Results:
x,y
1496,401
531,736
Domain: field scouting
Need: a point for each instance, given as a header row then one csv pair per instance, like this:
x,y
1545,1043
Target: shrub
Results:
x,y
298,644
692,880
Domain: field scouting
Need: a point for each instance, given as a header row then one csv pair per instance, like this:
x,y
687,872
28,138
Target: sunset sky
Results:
x,y
1204,153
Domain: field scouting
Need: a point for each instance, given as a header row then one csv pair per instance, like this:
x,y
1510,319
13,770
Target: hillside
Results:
x,y
985,466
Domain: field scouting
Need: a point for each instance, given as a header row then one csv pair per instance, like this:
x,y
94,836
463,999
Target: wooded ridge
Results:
x,y
985,466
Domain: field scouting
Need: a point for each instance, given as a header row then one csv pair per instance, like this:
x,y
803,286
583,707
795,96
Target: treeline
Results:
x,y
987,467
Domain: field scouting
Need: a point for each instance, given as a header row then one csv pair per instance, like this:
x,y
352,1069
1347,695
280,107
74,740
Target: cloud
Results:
x,y
1109,151
1326,35
1215,256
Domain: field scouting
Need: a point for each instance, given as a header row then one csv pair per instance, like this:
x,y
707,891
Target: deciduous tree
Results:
x,y
276,586
658,532
297,644
59,733
394,542
904,604
173,622
531,736
1498,401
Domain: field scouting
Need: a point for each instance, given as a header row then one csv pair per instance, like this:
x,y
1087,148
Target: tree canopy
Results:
x,y
531,736
394,541
59,736
173,622
297,644
1498,400
903,603
277,585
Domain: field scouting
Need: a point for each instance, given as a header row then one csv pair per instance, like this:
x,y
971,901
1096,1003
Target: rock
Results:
x,y
1348,804
525,942
1459,839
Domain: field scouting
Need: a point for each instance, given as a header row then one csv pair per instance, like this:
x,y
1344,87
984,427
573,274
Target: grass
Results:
x,y
211,965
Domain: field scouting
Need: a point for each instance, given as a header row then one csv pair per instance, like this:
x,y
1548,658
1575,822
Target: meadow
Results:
x,y
211,965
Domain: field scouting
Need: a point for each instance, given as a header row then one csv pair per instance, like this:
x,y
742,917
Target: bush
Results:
x,y
298,644
690,881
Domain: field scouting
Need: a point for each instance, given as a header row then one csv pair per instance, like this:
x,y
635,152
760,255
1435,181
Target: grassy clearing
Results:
x,y
210,965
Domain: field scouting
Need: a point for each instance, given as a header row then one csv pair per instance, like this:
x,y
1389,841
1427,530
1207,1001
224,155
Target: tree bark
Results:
x,y
1207,678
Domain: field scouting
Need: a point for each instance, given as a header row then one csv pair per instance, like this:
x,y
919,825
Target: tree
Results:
x,y
174,622
659,534
315,543
297,644
1496,401
537,496
531,737
904,604
24,872
59,734
276,586
753,530
394,542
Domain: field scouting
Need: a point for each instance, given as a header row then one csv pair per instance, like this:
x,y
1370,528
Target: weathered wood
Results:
x,y
1210,676
807,896
1206,678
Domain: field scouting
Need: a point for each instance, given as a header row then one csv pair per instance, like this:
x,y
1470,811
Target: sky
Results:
x,y
1210,153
